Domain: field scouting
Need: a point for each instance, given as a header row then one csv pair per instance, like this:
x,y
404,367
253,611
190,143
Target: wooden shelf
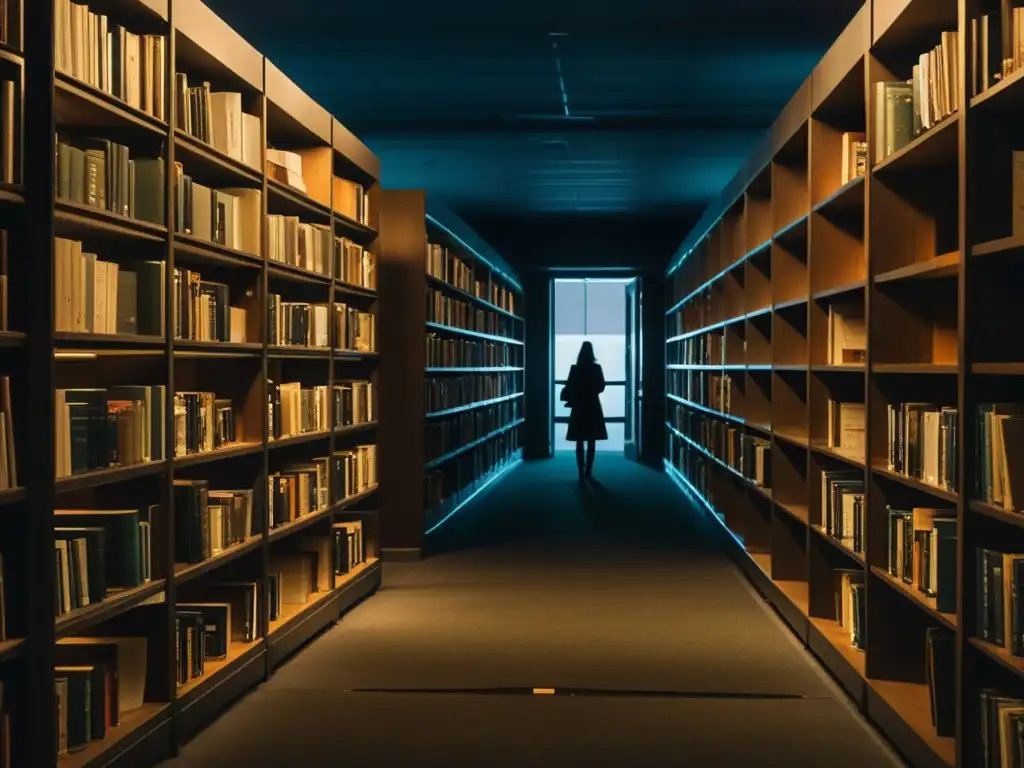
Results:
x,y
11,649
472,406
998,369
299,523
294,202
305,437
279,270
80,104
84,220
211,161
117,602
145,718
190,348
109,476
911,703
350,289
838,545
184,572
919,485
946,265
839,638
356,230
286,351
849,197
798,512
995,512
237,654
474,334
920,599
1000,655
935,147
841,454
214,253
231,451
292,612
839,290
484,369
908,369
433,463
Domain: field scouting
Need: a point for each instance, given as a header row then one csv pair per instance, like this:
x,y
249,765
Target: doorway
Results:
x,y
605,312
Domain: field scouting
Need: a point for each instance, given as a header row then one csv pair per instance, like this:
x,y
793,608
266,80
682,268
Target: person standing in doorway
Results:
x,y
586,419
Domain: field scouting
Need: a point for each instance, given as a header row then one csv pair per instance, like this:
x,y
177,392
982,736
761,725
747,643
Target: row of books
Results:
x,y
854,157
922,552
203,310
457,480
208,521
698,312
845,432
295,410
999,577
101,174
354,264
843,513
904,110
851,605
300,244
847,335
94,296
1000,446
128,66
997,43
704,349
923,442
98,682
305,324
348,198
445,435
305,488
354,403
448,266
710,390
99,551
217,119
107,427
455,391
456,313
230,216
442,352
202,422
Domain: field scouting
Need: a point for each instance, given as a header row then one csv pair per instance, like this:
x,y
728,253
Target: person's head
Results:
x,y
586,354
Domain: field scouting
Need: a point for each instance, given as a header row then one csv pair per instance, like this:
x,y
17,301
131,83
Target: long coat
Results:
x,y
586,420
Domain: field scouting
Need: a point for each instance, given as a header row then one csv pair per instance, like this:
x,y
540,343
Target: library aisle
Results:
x,y
610,592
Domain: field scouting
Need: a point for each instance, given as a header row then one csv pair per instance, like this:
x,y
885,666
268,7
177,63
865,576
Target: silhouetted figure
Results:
x,y
586,419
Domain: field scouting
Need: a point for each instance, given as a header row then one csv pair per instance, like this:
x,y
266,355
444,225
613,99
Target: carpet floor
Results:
x,y
609,593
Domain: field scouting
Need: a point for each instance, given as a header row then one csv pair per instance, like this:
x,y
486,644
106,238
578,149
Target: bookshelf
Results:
x,y
194,493
453,379
862,318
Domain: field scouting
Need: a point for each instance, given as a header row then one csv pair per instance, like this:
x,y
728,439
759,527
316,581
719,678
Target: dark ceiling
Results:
x,y
561,109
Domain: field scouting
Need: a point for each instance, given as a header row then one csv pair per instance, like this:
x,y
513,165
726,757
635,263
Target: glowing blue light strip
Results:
x,y
471,249
473,495
691,493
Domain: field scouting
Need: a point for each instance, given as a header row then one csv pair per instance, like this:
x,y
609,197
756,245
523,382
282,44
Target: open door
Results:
x,y
634,382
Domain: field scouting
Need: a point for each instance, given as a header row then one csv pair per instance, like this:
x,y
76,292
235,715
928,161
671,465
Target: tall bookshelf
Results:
x,y
922,249
299,532
453,347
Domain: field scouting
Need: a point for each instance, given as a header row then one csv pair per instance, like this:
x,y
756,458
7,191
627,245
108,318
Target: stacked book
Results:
x,y
922,552
207,522
286,168
353,471
94,296
904,110
230,217
353,403
851,605
843,514
296,410
115,426
349,546
217,119
98,682
1000,430
298,244
355,265
129,67
923,443
202,422
202,311
298,323
100,174
354,329
846,428
99,551
298,490
847,337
